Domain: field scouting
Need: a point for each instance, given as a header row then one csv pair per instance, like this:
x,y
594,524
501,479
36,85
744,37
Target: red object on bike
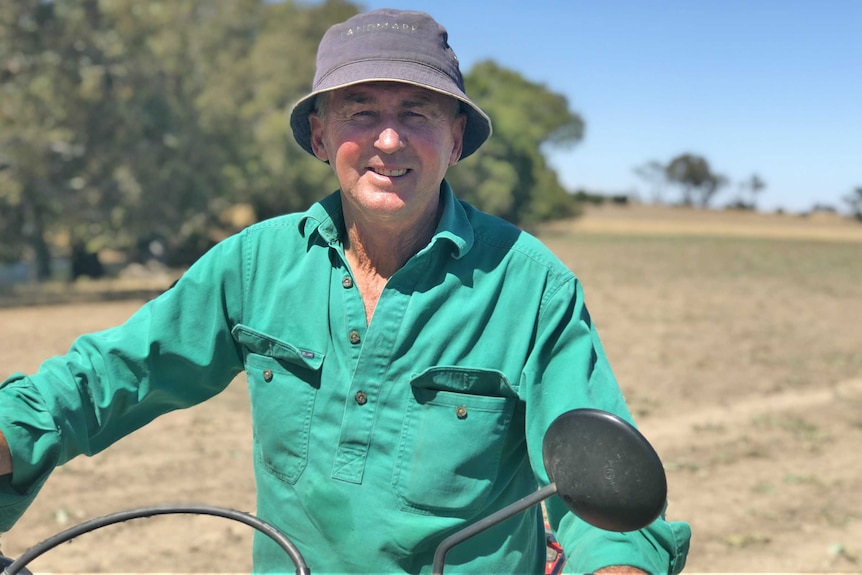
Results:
x,y
556,559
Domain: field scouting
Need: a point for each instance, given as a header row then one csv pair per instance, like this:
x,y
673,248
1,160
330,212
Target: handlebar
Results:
x,y
17,566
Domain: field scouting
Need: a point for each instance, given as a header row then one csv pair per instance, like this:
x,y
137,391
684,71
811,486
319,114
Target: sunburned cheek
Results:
x,y
347,152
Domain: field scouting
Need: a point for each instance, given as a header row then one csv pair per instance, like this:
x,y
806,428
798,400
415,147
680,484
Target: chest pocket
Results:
x,y
452,440
283,381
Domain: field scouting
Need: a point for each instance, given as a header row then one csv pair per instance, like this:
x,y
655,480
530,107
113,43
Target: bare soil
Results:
x,y
736,337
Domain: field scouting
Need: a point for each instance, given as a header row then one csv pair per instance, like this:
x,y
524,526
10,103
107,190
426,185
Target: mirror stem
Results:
x,y
489,521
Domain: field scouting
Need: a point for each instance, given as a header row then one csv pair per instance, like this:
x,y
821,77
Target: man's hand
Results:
x,y
5,456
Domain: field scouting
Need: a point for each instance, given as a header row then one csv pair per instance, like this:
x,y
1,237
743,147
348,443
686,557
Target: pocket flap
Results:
x,y
266,345
487,382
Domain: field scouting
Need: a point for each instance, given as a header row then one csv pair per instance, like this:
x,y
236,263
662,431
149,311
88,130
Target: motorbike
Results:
x,y
605,471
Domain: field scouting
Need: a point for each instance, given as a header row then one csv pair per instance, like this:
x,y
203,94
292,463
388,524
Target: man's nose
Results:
x,y
390,140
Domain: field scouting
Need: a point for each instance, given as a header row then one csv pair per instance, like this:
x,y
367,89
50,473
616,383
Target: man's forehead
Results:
x,y
373,91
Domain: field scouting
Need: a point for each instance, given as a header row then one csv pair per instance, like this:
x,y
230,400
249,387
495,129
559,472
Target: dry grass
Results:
x,y
649,220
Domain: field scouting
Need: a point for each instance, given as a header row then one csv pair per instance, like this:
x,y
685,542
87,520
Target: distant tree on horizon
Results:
x,y
754,185
748,188
654,174
694,176
854,200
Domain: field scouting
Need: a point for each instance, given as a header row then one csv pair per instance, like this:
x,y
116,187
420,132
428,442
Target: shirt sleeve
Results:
x,y
568,370
174,352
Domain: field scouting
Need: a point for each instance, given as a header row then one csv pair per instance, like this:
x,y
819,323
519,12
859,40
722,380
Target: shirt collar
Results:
x,y
454,226
326,218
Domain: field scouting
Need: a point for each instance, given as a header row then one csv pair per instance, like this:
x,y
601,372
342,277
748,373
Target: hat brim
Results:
x,y
476,131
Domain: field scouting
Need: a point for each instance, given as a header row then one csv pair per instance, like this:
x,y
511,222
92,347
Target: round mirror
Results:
x,y
605,470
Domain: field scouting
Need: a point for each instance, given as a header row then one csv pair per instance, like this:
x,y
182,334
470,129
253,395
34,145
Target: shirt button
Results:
x,y
267,375
354,337
347,282
361,398
461,412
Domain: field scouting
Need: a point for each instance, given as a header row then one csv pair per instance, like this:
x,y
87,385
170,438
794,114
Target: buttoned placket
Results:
x,y
370,348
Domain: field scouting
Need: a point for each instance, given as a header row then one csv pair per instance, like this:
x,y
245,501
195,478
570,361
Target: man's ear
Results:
x,y
458,138
315,122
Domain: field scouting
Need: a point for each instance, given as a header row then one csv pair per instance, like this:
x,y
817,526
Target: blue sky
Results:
x,y
761,86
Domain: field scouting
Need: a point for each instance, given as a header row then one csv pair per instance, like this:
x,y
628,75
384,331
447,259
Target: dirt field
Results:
x,y
736,337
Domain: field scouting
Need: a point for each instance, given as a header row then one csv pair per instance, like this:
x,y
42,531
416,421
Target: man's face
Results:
x,y
390,145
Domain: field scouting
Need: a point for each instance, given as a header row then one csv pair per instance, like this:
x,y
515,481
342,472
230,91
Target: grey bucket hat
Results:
x,y
395,46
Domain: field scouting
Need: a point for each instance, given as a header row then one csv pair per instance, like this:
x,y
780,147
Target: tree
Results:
x,y
176,54
753,185
696,179
749,187
854,200
98,123
41,108
121,120
267,169
124,122
655,175
509,176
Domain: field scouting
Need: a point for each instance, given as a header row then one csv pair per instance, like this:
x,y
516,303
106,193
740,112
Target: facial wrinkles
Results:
x,y
362,104
392,131
392,142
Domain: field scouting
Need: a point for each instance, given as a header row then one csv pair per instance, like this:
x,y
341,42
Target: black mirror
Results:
x,y
605,471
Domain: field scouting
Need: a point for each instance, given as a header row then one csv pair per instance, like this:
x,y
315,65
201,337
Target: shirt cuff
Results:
x,y
659,548
33,442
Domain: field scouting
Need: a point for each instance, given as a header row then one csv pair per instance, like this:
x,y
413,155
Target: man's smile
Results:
x,y
389,173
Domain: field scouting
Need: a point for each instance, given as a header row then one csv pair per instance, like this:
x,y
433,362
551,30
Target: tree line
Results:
x,y
697,182
127,124
854,201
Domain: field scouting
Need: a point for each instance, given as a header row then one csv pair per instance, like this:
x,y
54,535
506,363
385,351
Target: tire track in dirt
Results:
x,y
676,431
768,483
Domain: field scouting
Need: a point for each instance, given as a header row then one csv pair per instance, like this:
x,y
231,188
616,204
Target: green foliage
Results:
x,y
124,121
269,171
509,176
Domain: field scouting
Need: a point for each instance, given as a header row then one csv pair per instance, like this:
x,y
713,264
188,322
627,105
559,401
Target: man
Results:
x,y
404,352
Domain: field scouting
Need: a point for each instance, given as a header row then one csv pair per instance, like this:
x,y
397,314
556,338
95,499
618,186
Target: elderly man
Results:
x,y
404,352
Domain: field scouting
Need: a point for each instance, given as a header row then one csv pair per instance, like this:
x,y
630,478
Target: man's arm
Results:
x,y
568,369
5,456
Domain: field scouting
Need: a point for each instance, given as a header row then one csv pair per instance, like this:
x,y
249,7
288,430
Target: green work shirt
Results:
x,y
372,442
